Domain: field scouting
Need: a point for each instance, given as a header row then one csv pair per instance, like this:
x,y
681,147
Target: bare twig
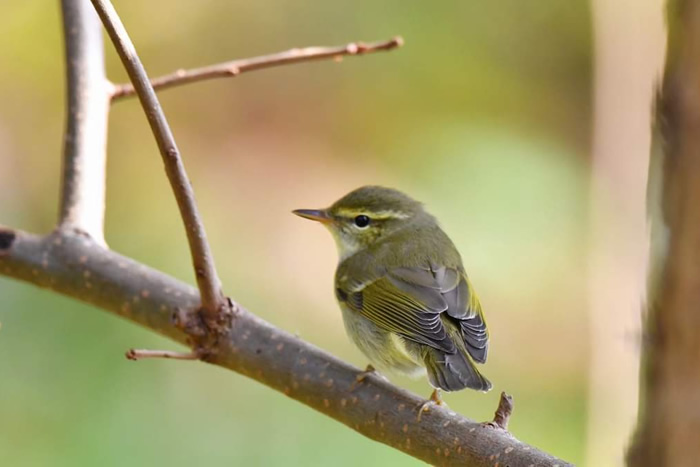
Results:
x,y
139,354
213,303
503,412
82,201
376,408
235,67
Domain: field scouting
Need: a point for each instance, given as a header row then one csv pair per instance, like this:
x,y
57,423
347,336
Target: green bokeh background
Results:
x,y
484,115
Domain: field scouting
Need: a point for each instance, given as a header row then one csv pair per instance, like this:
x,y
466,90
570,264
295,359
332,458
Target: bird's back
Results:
x,y
412,284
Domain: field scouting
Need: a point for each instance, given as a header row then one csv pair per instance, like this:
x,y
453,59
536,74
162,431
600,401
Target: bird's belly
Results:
x,y
384,349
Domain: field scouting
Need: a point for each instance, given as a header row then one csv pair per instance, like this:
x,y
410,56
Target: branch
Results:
x,y
82,202
213,303
668,424
503,412
140,354
236,67
76,266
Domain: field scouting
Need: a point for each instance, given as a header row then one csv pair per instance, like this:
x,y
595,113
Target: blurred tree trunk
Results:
x,y
628,39
668,432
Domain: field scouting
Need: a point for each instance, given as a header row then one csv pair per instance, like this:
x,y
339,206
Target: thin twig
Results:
x,y
138,354
235,67
82,201
503,412
213,301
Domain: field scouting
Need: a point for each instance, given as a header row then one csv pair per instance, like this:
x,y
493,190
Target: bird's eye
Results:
x,y
362,221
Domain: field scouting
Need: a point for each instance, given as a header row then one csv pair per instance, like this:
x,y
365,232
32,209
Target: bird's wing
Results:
x,y
465,309
413,302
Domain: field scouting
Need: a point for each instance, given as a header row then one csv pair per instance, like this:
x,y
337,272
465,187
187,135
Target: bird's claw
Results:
x,y
369,371
434,399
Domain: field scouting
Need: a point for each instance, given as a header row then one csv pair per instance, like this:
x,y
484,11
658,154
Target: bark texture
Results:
x,y
668,433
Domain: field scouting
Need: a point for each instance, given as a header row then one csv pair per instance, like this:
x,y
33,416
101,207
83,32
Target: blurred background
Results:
x,y
485,115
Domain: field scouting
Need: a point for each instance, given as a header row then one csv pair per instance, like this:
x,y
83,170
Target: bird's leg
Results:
x,y
434,399
369,371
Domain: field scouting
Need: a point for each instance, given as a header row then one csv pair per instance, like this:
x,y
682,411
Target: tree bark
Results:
x,y
82,198
668,431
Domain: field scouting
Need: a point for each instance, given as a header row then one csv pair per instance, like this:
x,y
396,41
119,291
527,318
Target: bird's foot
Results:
x,y
434,399
369,371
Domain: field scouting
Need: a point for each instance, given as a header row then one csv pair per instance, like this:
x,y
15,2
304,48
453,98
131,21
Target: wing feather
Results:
x,y
464,307
419,303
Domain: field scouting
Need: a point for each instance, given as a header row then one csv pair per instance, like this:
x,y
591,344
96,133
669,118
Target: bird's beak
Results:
x,y
319,215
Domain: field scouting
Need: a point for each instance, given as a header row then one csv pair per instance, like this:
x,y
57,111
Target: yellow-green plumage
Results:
x,y
406,301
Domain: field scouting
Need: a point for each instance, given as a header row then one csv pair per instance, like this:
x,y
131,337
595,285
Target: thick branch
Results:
x,y
669,421
74,265
208,282
236,67
82,201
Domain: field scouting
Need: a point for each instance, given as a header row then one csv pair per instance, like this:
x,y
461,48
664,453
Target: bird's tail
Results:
x,y
454,371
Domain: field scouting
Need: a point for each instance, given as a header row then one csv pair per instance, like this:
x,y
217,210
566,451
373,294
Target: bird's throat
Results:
x,y
347,246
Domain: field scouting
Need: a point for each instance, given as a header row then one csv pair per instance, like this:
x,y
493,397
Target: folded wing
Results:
x,y
420,304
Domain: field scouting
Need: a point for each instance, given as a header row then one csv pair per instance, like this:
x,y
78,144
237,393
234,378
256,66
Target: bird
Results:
x,y
406,300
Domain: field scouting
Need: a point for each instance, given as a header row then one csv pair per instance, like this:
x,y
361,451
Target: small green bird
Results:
x,y
406,301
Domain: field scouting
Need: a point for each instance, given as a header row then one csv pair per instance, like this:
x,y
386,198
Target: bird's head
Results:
x,y
364,216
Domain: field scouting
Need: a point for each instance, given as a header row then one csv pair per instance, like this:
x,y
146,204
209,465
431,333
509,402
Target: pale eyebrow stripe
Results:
x,y
380,215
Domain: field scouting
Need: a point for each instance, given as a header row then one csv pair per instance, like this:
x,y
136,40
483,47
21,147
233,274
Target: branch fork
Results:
x,y
216,310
